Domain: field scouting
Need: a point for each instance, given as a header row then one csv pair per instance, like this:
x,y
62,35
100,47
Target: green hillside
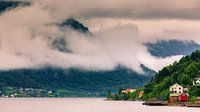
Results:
x,y
182,72
74,81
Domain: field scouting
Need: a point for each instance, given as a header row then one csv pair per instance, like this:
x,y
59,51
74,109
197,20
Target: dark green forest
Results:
x,y
74,80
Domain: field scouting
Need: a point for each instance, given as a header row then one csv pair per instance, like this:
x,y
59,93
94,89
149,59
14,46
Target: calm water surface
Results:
x,y
81,105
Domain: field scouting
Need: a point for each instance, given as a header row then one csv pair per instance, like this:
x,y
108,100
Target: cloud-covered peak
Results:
x,y
31,37
165,48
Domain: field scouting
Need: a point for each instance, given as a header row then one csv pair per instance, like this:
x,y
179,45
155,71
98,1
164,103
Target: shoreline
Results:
x,y
155,103
52,97
163,103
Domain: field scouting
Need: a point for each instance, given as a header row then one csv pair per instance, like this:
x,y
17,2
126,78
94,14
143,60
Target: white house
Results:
x,y
176,88
196,81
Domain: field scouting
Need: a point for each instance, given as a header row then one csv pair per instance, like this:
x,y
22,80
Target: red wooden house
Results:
x,y
183,97
174,98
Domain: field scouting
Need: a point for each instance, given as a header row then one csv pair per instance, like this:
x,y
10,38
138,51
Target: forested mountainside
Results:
x,y
182,72
93,82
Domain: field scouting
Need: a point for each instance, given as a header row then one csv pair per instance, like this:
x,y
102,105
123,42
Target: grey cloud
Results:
x,y
134,9
105,49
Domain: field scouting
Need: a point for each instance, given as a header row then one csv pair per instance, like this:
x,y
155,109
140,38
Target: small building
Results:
x,y
50,92
197,101
12,95
174,97
185,90
184,97
196,81
176,88
129,90
178,93
141,94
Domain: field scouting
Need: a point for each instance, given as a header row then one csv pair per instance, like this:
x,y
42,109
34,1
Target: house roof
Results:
x,y
176,84
198,98
128,90
197,78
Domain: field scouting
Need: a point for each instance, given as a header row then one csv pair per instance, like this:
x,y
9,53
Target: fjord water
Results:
x,y
81,105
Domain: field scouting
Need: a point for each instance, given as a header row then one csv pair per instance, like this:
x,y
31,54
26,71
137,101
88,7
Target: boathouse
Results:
x,y
174,97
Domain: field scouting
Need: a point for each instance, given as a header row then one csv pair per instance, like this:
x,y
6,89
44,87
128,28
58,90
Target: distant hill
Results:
x,y
94,82
182,72
163,48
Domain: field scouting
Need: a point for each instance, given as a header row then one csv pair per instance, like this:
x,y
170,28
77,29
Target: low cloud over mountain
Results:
x,y
33,36
93,46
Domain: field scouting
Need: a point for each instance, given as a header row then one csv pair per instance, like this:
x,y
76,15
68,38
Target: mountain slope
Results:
x,y
74,79
182,72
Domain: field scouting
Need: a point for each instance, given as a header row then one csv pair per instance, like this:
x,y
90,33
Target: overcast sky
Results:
x,y
119,28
